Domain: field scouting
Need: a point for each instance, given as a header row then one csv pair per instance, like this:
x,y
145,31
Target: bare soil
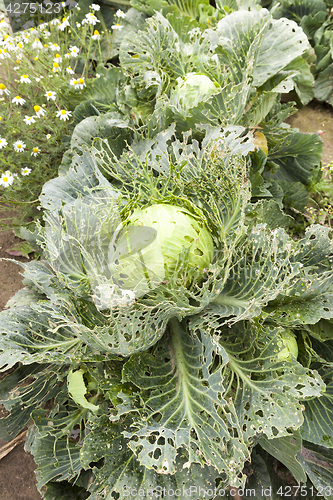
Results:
x,y
17,477
316,118
17,468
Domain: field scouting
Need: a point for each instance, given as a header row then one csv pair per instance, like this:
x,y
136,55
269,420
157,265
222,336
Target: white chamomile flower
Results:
x,y
3,54
18,100
48,136
70,71
74,83
74,51
19,146
51,95
29,120
6,179
35,151
25,79
57,58
54,46
25,171
3,25
96,35
7,39
3,143
63,114
81,83
55,21
37,44
78,25
55,67
91,19
98,75
3,89
63,24
67,55
117,26
47,34
39,111
120,13
94,6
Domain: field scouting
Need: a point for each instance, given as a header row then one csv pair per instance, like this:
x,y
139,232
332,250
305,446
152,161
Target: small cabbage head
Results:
x,y
191,90
177,233
290,342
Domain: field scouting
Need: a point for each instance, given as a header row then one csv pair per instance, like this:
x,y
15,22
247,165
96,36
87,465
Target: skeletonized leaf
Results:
x,y
183,396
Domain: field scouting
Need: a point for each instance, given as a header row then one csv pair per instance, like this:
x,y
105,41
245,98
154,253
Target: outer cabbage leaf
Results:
x,y
116,131
323,85
285,450
195,389
310,297
28,337
22,391
318,414
261,269
266,392
154,57
183,395
122,474
318,464
297,9
53,441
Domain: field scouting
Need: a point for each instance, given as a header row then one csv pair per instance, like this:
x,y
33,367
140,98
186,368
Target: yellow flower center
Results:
x,y
17,97
96,32
63,111
64,19
36,108
19,146
46,45
58,55
20,45
81,80
36,58
2,86
35,150
5,179
55,65
5,37
49,93
24,76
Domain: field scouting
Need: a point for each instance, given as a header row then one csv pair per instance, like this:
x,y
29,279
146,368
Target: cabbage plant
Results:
x,y
172,380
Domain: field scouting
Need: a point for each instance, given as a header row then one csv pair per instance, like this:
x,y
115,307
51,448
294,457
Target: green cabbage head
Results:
x,y
290,342
191,90
176,230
